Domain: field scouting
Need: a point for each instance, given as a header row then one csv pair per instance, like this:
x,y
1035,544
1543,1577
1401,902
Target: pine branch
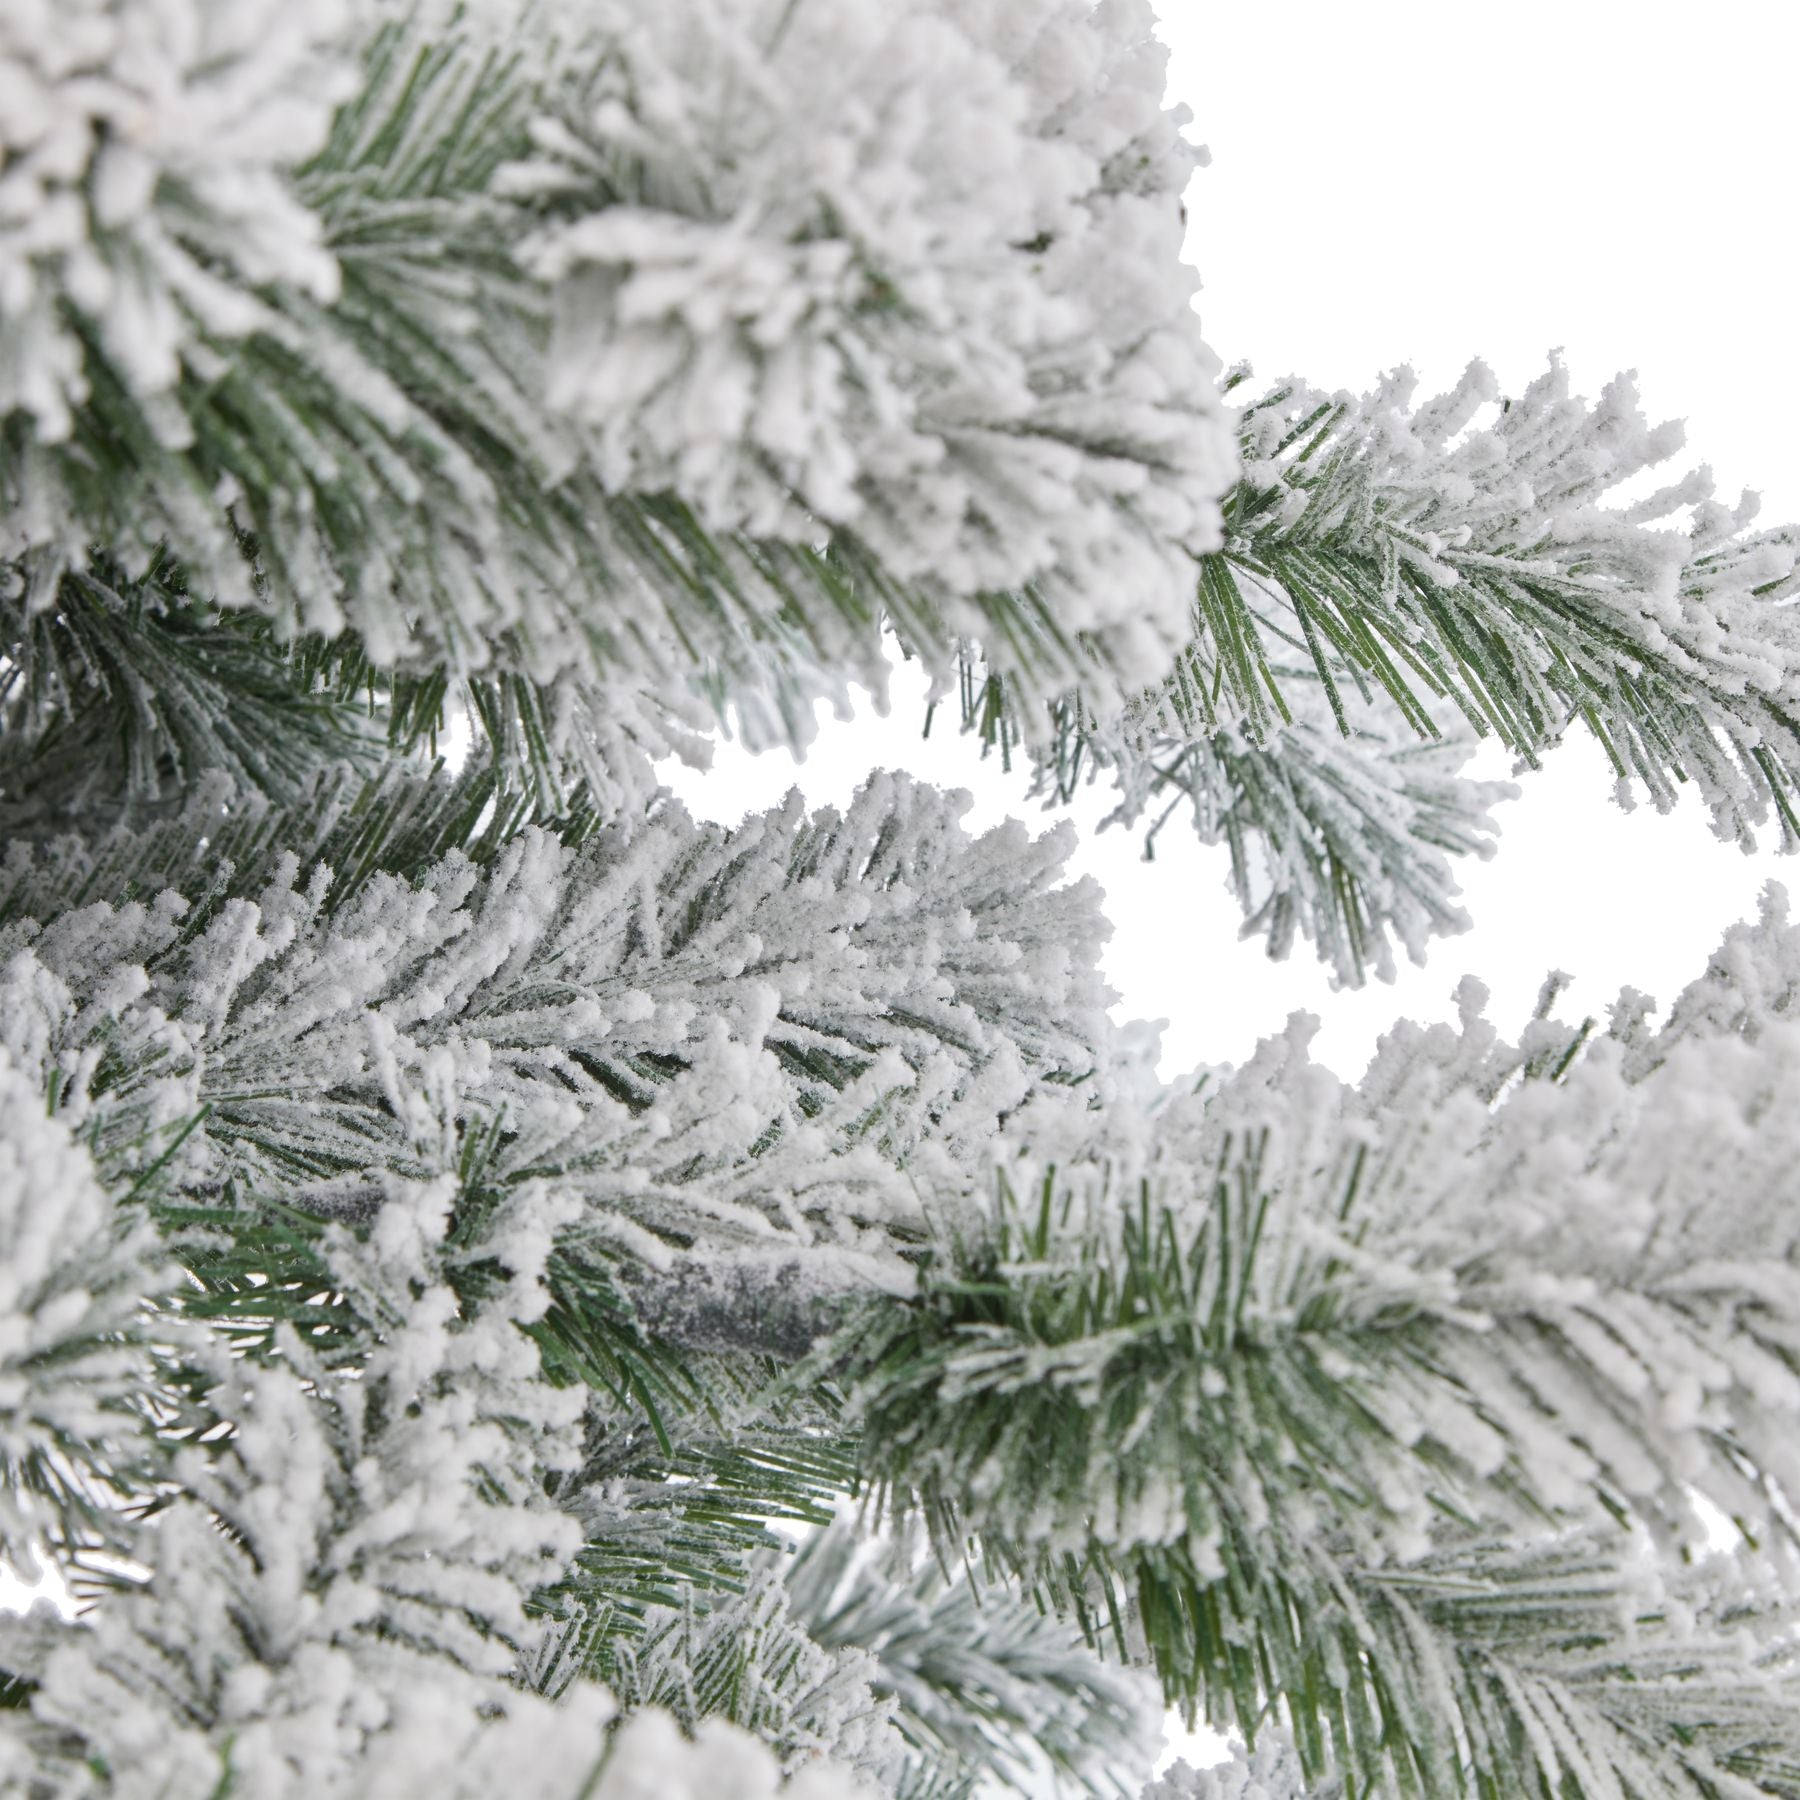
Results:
x,y
119,697
1341,829
1569,1668
386,421
1538,1664
1487,563
1285,1329
987,1683
1561,1667
339,1559
1410,578
282,1243
743,1050
747,1659
339,1563
89,1335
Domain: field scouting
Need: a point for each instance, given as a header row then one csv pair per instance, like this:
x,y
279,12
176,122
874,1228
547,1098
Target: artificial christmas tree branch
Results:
x,y
507,1288
1412,580
1286,1331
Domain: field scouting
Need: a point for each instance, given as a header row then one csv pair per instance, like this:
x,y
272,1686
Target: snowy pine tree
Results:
x,y
504,1288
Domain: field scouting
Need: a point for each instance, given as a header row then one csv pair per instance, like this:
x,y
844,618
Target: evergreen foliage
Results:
x,y
504,1288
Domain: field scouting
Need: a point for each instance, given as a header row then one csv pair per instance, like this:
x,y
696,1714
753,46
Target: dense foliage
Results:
x,y
504,1288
